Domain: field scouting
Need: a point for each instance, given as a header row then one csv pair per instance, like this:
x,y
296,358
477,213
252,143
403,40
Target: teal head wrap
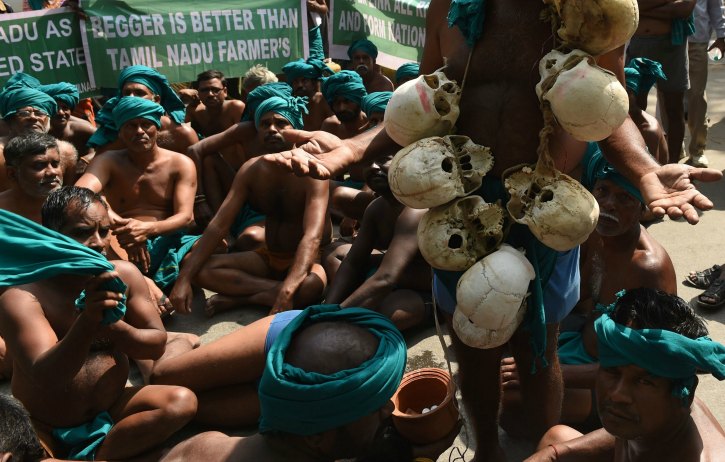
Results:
x,y
311,68
106,131
596,167
347,84
128,108
32,252
468,15
642,73
263,93
291,108
65,92
159,85
22,90
375,102
661,352
407,70
363,45
306,403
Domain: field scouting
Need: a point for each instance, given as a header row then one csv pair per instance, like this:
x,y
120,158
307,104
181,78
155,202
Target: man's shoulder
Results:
x,y
79,125
18,296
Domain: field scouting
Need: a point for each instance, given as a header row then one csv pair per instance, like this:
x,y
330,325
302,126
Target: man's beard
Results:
x,y
347,116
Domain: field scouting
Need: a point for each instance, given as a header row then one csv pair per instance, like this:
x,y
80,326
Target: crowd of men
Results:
x,y
281,199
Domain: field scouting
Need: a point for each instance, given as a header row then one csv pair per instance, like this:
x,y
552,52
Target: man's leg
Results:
x,y
674,107
405,307
697,103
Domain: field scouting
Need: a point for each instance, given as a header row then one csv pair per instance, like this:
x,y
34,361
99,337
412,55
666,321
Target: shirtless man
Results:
x,y
305,78
150,190
646,387
399,288
285,273
71,365
661,37
500,109
65,126
407,71
344,92
362,54
373,105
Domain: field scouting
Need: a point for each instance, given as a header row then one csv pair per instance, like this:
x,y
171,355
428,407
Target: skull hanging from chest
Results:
x,y
421,108
454,236
558,210
434,171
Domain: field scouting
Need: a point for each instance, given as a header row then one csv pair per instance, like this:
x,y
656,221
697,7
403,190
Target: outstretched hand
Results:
x,y
670,190
317,154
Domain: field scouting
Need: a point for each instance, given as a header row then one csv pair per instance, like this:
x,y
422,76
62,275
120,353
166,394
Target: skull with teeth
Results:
x,y
433,171
558,210
587,101
454,236
421,108
491,296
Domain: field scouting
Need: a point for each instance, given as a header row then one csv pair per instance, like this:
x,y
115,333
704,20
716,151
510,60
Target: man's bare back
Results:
x,y
319,110
76,131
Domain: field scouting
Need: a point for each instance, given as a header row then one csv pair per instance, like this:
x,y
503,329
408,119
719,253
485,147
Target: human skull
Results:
x,y
454,236
558,210
433,171
587,101
491,296
596,26
422,107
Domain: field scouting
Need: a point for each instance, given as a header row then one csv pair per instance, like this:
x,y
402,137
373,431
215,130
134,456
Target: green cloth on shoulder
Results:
x,y
31,252
571,349
681,29
596,167
295,401
82,442
166,253
468,15
246,217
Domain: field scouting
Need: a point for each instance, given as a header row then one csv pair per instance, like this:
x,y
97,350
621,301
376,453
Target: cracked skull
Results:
x,y
491,296
596,26
434,171
421,108
558,210
454,236
587,101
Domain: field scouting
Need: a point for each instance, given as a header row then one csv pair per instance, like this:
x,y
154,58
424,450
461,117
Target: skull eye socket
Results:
x,y
449,87
491,242
547,195
447,165
455,241
432,81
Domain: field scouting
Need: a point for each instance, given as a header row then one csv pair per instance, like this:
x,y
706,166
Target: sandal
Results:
x,y
715,293
703,279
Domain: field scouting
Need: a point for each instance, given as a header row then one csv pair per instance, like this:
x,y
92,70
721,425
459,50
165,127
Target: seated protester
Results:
x,y
395,283
150,191
651,347
256,75
362,54
373,105
305,78
72,320
640,75
619,255
344,92
286,272
324,394
23,108
407,71
65,126
18,441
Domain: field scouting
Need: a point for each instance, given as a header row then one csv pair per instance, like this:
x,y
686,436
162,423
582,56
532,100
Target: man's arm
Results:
x,y
97,175
597,446
236,134
671,9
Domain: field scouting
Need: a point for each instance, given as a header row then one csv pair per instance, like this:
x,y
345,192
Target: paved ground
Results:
x,y
691,247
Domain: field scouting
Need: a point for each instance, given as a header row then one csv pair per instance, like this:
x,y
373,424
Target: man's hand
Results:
x,y
189,96
98,299
132,232
719,43
283,302
670,190
138,254
509,374
318,154
181,296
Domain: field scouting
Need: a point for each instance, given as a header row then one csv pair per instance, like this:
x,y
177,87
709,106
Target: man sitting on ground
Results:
x,y
305,76
362,54
65,126
373,105
344,92
651,347
407,71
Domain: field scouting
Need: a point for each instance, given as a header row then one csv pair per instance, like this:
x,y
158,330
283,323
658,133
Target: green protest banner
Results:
x,y
181,39
46,44
396,27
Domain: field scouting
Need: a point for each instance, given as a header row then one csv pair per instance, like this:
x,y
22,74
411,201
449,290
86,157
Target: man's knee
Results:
x,y
179,404
557,434
310,291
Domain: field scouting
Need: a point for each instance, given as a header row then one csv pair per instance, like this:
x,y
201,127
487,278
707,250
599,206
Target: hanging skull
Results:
x,y
491,298
596,26
454,236
587,101
558,210
421,108
433,171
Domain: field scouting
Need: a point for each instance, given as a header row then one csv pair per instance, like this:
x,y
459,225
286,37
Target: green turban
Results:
x,y
65,92
375,102
159,85
262,93
291,108
306,403
364,45
596,167
106,131
310,68
22,90
642,73
347,84
407,70
129,108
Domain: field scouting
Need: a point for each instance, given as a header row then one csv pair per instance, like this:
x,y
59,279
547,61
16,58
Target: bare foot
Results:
x,y
219,303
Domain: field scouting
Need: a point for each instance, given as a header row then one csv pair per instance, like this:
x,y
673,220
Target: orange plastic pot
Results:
x,y
420,389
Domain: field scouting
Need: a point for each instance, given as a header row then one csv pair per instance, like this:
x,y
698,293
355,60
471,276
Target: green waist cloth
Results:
x,y
246,217
166,254
542,258
571,349
31,252
82,442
